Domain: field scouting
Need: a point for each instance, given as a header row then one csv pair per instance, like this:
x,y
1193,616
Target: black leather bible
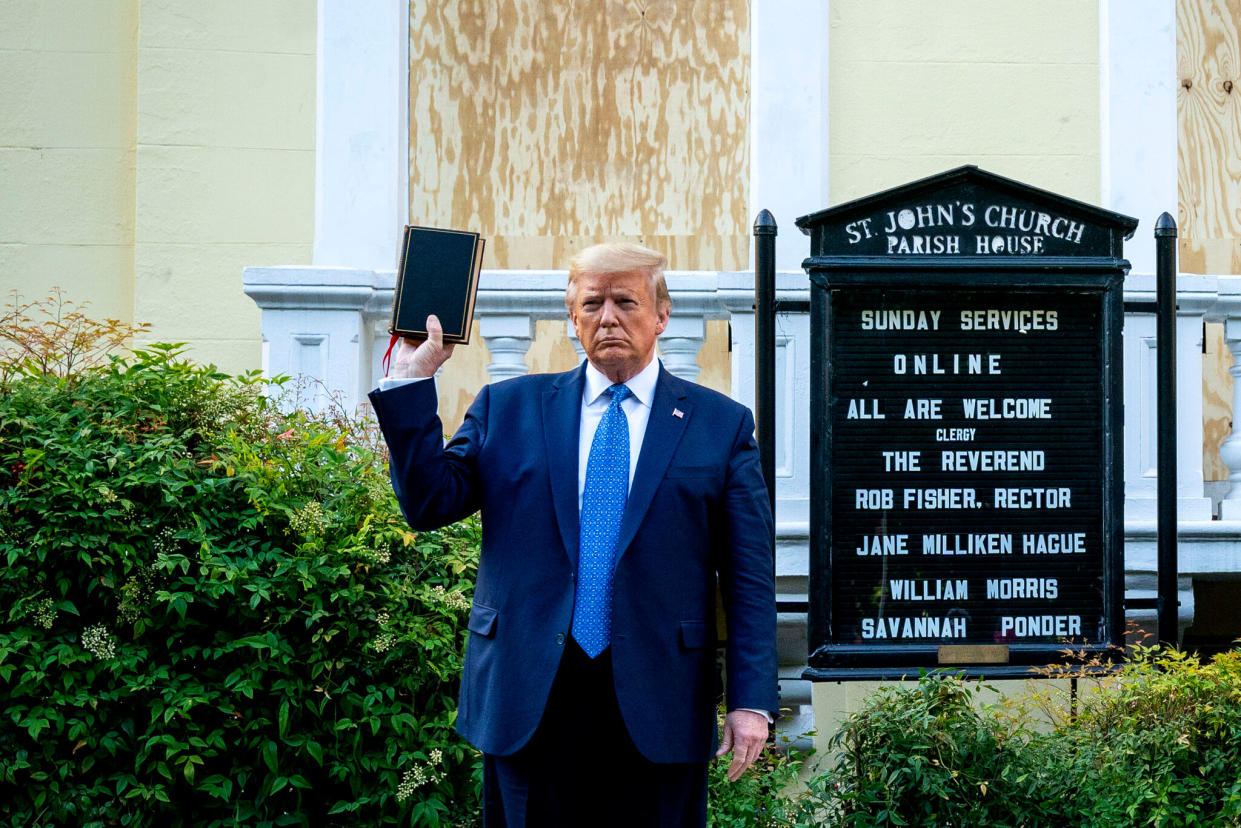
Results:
x,y
438,274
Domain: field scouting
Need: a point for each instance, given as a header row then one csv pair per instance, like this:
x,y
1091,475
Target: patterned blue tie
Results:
x,y
603,504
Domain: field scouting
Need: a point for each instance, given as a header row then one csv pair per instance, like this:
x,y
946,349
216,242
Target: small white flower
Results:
x,y
45,613
164,542
412,780
309,520
99,642
406,789
452,600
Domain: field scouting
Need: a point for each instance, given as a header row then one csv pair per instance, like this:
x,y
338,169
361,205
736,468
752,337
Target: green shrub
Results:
x,y
1157,743
764,797
55,336
920,755
1161,743
213,613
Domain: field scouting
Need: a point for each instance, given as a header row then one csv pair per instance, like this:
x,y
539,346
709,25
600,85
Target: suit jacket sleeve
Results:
x,y
747,579
435,484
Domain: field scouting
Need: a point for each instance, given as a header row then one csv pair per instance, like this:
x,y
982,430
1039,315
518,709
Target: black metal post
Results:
x,y
1165,334
765,348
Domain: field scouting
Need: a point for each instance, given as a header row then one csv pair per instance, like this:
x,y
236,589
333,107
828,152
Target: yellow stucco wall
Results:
x,y
151,149
225,164
918,88
67,98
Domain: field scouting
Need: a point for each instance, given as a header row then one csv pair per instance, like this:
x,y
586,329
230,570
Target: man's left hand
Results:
x,y
745,734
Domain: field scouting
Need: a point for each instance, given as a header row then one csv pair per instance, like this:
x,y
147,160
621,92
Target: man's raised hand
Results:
x,y
414,359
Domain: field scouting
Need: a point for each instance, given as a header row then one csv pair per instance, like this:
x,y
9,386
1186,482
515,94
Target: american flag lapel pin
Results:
x,y
678,413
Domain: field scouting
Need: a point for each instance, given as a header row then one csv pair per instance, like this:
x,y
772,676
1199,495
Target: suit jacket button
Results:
x,y
560,638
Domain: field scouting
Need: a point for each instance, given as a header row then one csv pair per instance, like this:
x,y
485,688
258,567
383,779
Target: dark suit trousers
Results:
x,y
581,770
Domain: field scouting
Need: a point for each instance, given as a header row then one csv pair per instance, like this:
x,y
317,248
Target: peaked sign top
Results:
x,y
966,212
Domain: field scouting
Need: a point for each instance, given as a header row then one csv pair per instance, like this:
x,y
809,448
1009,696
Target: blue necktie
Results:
x,y
603,504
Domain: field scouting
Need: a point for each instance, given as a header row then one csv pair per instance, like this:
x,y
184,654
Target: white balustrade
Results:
x,y
1196,296
327,326
508,337
680,343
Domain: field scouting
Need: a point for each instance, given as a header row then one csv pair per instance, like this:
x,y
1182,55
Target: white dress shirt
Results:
x,y
637,408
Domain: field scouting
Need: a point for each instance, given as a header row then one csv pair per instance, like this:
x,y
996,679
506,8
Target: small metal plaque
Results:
x,y
973,654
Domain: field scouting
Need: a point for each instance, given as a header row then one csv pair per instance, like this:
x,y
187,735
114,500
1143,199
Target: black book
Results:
x,y
438,274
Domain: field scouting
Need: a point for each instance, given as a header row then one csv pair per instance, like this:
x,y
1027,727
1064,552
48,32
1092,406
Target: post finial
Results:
x,y
765,223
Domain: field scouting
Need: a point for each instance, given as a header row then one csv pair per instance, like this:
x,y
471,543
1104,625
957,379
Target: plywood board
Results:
x,y
1208,56
550,126
1216,402
1208,53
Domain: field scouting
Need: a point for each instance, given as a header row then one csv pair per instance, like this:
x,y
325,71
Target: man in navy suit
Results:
x,y
589,679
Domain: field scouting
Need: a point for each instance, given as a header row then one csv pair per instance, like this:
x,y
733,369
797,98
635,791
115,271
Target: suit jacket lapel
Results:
x,y
562,413
663,432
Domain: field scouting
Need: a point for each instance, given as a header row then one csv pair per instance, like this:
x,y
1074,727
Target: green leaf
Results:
x,y
35,726
315,751
270,755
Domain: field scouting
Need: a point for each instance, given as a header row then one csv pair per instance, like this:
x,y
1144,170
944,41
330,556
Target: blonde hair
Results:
x,y
620,257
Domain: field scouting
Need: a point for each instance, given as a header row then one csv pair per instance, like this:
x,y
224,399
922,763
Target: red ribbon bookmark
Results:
x,y
386,362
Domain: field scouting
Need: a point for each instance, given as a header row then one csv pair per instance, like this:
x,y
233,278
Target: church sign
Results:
x,y
966,500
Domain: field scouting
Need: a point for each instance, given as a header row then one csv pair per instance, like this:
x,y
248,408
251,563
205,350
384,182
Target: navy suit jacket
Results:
x,y
697,508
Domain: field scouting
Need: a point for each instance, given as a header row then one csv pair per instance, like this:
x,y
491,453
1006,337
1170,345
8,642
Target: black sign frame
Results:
x,y
845,261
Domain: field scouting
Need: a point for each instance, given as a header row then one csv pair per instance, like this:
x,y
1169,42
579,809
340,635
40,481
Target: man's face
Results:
x,y
616,319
